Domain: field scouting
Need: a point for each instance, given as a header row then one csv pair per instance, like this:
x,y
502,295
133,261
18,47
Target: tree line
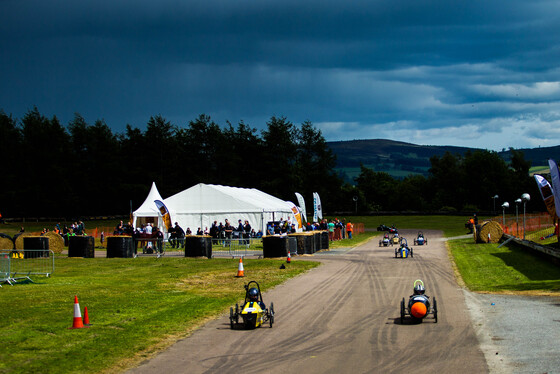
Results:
x,y
82,169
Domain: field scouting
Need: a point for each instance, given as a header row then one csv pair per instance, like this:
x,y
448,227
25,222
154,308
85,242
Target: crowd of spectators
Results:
x,y
226,231
337,229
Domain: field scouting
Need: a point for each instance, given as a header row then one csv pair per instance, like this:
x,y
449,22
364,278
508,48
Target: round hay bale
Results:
x,y
6,242
489,232
56,242
18,239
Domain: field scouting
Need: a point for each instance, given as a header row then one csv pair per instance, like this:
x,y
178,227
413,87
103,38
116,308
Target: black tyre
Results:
x,y
411,253
435,309
236,313
402,311
271,314
395,253
231,318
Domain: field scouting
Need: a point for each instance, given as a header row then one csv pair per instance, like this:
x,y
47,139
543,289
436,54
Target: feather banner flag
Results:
x,y
297,215
317,209
555,176
164,213
301,203
547,195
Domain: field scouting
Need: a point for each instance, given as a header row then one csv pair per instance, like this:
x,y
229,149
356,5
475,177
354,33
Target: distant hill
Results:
x,y
401,159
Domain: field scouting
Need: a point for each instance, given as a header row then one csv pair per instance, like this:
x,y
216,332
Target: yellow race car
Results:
x,y
254,312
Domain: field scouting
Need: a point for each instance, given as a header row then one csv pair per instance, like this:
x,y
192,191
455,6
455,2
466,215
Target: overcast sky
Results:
x,y
471,73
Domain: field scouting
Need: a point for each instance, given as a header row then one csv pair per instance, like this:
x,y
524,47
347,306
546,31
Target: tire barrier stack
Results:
x,y
317,239
35,246
81,246
275,246
120,246
305,243
325,240
292,245
198,246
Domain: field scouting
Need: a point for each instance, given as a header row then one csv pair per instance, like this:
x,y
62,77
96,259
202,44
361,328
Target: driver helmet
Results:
x,y
253,294
419,289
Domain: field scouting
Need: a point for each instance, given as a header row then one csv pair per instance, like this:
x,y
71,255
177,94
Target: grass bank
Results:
x,y
136,306
506,269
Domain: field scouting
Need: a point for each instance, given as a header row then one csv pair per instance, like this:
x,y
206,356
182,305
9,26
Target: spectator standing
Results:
x,y
172,236
330,227
158,234
240,230
246,231
180,235
228,229
118,229
349,229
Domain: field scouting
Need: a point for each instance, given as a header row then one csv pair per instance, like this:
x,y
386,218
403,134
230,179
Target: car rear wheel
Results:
x,y
271,316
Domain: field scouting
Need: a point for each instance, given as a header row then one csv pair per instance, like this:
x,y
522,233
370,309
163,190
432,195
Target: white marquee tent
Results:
x,y
202,204
148,212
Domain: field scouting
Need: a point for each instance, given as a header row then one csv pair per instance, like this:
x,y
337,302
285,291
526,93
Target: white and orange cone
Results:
x,y
289,259
240,270
78,323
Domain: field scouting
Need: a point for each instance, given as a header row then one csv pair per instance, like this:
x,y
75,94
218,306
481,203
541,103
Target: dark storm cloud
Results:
x,y
430,72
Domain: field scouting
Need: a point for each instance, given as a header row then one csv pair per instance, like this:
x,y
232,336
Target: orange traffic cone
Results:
x,y
86,317
289,259
240,271
78,323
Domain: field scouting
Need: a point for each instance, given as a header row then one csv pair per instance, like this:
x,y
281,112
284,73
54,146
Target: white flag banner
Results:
x,y
317,209
555,176
546,194
315,215
301,203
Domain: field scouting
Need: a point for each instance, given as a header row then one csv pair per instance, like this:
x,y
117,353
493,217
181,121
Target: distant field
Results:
x,y
353,172
539,170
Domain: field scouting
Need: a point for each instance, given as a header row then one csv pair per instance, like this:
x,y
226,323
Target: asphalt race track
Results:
x,y
344,317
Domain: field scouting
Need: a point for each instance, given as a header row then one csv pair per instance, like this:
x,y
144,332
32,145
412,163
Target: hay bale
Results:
x,y
488,232
56,242
6,242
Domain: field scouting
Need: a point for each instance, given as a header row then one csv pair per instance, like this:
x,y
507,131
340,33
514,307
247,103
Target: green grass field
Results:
x,y
136,307
511,268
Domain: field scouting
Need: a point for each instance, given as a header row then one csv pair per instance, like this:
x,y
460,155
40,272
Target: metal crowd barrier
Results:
x,y
155,246
236,247
223,247
19,264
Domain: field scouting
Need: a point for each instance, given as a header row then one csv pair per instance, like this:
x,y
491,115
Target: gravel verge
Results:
x,y
517,334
